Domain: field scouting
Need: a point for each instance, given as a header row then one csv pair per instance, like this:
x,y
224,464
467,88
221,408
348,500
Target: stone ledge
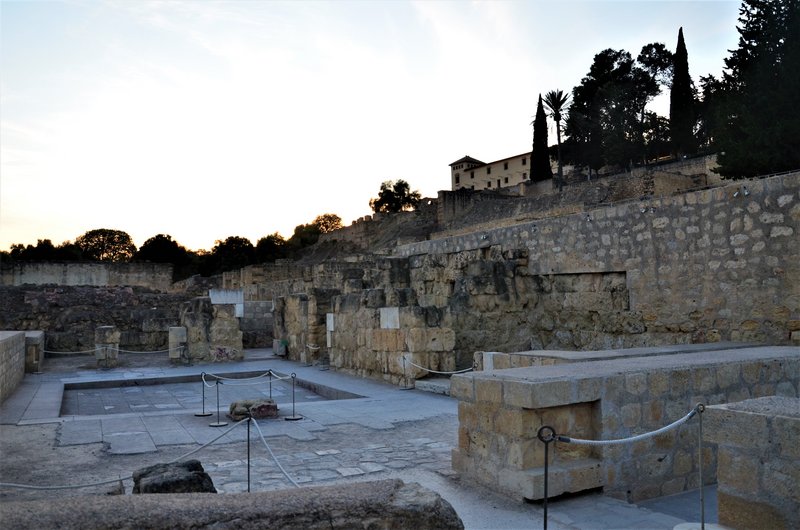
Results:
x,y
381,504
565,477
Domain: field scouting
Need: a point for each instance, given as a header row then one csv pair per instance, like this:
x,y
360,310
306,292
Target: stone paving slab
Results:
x,y
388,433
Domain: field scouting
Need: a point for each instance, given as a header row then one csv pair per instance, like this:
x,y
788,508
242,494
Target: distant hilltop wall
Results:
x,y
467,210
156,276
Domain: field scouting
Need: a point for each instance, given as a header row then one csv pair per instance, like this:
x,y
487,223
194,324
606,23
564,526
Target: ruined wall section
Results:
x,y
157,276
709,265
70,314
464,210
387,230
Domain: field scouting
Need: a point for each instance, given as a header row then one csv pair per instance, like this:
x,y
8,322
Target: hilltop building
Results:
x,y
471,173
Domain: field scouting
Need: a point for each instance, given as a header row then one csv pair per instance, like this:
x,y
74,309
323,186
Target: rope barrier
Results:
x,y
70,352
111,481
630,439
240,379
110,349
443,373
285,474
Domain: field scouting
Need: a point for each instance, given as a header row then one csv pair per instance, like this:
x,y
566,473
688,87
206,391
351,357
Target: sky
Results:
x,y
208,119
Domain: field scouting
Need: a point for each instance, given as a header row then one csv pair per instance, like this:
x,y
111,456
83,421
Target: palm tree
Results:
x,y
555,101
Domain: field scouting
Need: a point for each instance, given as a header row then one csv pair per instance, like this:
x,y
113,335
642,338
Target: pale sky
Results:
x,y
204,119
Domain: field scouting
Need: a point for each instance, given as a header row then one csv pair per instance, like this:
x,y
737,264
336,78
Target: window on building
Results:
x,y
489,184
472,174
505,165
498,183
473,187
524,161
458,179
506,180
524,176
488,170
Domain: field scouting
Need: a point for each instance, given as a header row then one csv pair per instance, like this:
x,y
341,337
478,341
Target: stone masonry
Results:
x,y
758,465
500,412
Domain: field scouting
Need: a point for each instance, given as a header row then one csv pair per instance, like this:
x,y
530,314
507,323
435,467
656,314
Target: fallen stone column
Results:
x,y
386,504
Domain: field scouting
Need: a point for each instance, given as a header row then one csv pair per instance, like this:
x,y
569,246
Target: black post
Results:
x,y
546,439
249,419
270,383
203,382
218,423
294,416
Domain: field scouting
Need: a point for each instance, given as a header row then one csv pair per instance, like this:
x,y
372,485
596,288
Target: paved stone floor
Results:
x,y
387,433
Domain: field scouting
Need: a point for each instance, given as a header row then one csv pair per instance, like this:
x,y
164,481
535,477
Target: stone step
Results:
x,y
564,477
434,385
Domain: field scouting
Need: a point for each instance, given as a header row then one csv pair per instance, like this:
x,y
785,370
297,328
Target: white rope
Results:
x,y
285,474
111,481
193,451
443,373
631,439
155,351
69,352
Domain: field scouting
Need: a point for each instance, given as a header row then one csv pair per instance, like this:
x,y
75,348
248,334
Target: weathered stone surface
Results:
x,y
179,477
257,408
387,504
69,315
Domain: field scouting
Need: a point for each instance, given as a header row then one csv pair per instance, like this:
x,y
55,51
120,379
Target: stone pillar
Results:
x,y
34,351
106,346
758,461
177,344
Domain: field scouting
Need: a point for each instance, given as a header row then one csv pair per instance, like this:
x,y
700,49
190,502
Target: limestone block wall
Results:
x,y
212,331
501,411
739,248
301,320
373,332
12,361
34,351
758,468
69,314
156,276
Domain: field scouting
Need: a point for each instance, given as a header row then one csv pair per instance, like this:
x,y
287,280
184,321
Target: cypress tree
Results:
x,y
540,157
761,131
681,102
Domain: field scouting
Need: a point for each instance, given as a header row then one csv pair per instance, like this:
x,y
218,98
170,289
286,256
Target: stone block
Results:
x,y
106,335
488,390
390,317
462,387
256,408
744,513
178,477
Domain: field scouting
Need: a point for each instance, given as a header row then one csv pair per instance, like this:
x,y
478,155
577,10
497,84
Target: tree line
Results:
x,y
747,116
234,252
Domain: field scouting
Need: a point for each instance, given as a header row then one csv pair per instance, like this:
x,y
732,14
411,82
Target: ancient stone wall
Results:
x,y
157,276
758,468
69,314
501,411
12,361
383,230
464,210
612,277
739,249
212,330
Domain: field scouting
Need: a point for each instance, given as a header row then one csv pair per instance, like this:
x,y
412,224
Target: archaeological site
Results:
x,y
493,359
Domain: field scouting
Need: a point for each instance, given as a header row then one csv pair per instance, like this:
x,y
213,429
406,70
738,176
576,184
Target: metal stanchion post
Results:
x,y
546,439
203,382
249,419
270,383
294,416
700,409
218,423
